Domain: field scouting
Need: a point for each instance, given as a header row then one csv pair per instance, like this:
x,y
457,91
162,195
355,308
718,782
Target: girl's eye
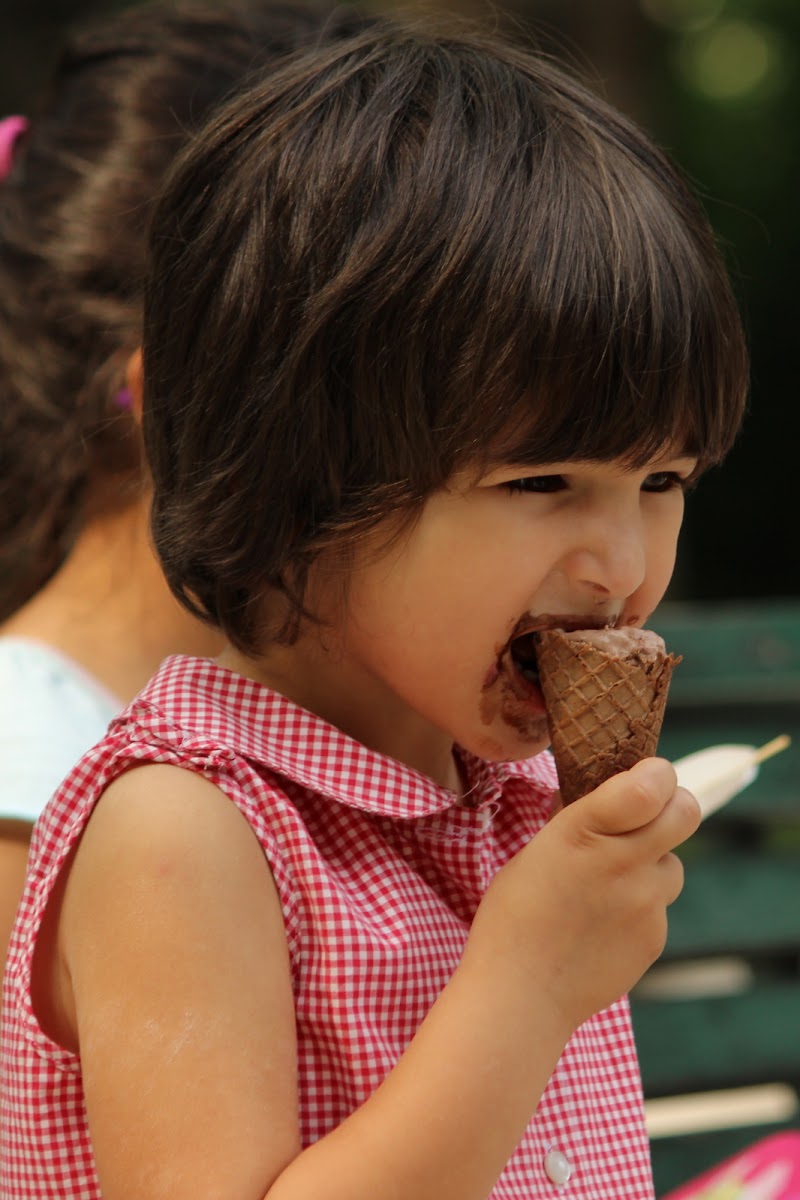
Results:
x,y
665,481
536,483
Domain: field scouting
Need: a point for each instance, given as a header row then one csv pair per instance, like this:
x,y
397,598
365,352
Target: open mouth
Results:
x,y
522,652
519,655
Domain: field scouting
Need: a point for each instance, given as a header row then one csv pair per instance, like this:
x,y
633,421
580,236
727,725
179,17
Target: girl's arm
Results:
x,y
171,977
15,839
172,973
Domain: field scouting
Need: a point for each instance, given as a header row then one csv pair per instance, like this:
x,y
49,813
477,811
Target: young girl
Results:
x,y
85,614
434,343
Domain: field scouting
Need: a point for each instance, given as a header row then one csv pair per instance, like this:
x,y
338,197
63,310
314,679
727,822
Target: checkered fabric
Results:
x,y
379,872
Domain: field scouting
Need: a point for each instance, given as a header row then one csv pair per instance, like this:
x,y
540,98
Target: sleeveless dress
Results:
x,y
379,874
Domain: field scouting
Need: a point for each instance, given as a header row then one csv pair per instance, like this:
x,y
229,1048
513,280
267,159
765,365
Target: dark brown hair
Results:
x,y
400,256
124,98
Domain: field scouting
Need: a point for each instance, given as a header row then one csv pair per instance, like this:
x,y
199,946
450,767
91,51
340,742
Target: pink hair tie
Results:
x,y
11,129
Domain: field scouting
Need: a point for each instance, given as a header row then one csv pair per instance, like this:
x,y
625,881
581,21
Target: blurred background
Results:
x,y
718,83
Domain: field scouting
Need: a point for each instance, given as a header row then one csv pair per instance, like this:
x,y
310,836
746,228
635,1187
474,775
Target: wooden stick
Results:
x,y
769,748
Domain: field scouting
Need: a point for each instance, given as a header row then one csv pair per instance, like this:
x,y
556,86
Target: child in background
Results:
x,y
86,615
434,343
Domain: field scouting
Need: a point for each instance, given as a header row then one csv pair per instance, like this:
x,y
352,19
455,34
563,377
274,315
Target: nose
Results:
x,y
609,560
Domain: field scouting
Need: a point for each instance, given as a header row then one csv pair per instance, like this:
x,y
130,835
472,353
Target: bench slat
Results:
x,y
733,653
719,1041
737,903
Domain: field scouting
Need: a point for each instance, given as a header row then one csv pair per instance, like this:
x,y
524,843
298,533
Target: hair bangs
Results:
x,y
619,336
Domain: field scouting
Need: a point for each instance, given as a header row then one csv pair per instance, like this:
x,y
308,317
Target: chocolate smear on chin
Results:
x,y
500,701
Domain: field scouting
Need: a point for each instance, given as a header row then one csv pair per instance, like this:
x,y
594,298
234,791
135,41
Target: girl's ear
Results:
x,y
135,383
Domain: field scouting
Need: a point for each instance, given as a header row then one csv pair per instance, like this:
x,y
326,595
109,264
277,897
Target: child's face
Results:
x,y
430,624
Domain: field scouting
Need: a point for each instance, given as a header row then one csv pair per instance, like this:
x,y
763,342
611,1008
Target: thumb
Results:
x,y
630,800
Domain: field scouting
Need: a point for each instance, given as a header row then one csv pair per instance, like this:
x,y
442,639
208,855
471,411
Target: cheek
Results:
x,y
401,609
662,550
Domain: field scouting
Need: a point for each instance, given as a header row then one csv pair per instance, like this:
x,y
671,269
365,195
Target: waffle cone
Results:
x,y
604,710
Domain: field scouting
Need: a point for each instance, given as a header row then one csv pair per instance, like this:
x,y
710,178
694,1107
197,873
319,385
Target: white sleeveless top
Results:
x,y
51,713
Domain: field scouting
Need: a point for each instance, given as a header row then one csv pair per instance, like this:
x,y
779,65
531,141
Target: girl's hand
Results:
x,y
582,909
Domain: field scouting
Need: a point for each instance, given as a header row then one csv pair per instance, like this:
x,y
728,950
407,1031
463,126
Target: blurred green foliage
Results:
x,y
718,83
726,98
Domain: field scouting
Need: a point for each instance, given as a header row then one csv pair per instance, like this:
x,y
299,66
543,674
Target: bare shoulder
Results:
x,y
152,807
163,834
170,838
166,798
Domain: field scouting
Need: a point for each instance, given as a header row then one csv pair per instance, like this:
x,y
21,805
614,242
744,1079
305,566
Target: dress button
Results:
x,y
557,1167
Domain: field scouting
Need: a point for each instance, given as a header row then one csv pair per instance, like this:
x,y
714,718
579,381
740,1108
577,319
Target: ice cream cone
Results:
x,y
605,692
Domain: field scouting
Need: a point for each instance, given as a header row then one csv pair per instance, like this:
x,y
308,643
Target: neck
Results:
x,y
109,609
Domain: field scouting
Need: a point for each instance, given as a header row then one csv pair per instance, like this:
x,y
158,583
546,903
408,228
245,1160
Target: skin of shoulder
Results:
x,y
163,962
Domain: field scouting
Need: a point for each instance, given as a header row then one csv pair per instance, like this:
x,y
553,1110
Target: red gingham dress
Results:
x,y
379,873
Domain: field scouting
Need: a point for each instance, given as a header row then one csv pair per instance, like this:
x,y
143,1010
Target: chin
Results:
x,y
509,744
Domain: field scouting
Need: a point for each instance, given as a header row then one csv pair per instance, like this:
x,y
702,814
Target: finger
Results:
x,y
676,822
672,874
629,801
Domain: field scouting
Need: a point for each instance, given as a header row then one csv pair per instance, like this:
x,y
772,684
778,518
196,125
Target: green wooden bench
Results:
x,y
738,918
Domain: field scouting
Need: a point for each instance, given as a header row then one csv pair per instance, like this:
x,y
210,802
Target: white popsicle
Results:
x,y
718,773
